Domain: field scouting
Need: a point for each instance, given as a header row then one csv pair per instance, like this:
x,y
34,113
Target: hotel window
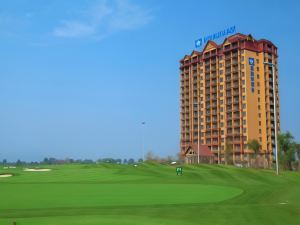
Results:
x,y
259,115
244,122
257,84
243,81
242,58
221,87
244,106
221,109
259,123
258,99
245,130
221,65
244,97
259,131
242,66
221,72
257,76
257,68
256,53
243,74
258,91
257,61
244,90
221,79
244,113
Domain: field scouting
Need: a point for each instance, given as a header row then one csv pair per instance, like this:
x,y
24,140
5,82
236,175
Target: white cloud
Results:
x,y
106,18
74,29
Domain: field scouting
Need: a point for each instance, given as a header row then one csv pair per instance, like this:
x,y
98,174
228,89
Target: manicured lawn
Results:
x,y
149,194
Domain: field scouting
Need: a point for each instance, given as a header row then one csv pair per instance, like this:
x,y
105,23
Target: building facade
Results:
x,y
227,98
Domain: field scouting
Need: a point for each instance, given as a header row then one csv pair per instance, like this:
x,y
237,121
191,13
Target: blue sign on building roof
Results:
x,y
199,42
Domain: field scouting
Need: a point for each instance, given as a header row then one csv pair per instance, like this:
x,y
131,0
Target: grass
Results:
x,y
149,194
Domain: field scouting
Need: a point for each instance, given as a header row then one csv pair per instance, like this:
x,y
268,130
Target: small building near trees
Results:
x,y
191,154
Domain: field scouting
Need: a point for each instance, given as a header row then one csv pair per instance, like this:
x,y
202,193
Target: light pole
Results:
x,y
275,114
143,134
198,111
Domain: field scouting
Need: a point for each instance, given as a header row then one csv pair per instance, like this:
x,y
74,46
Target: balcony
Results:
x,y
228,87
237,125
236,109
227,56
236,100
235,70
234,62
235,78
213,90
213,75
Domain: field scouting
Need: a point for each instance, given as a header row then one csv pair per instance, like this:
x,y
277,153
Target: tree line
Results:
x,y
288,152
55,161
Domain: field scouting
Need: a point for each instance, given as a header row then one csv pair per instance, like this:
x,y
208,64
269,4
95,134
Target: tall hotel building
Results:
x,y
226,97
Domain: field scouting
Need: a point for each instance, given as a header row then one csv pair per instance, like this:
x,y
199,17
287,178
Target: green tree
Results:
x,y
297,155
228,156
297,152
254,146
286,145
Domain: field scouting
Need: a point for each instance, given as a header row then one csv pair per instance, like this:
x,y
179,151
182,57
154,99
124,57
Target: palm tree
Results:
x,y
228,152
254,146
296,147
286,146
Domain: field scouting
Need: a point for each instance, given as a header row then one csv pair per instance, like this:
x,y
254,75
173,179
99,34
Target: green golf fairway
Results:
x,y
90,195
149,194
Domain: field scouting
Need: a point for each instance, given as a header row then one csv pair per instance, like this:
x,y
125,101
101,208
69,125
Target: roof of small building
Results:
x,y
203,150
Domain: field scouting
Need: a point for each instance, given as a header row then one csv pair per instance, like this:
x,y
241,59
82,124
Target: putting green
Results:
x,y
28,196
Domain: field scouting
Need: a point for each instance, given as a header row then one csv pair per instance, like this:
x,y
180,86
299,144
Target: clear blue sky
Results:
x,y
77,78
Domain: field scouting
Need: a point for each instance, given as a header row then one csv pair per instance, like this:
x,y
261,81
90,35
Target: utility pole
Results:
x,y
143,134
